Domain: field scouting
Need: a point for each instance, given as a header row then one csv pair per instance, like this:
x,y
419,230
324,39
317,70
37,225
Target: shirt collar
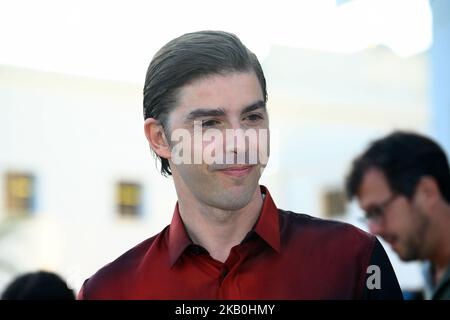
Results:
x,y
178,238
442,285
267,227
432,289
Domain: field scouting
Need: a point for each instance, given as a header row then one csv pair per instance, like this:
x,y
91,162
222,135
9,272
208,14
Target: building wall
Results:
x,y
440,73
327,108
80,136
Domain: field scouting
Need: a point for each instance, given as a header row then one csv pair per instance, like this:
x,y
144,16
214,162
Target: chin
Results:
x,y
408,255
405,258
234,199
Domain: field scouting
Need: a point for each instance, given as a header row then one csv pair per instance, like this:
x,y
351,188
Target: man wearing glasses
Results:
x,y
402,182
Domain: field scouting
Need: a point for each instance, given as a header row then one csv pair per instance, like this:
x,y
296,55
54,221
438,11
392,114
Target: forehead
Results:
x,y
231,92
373,189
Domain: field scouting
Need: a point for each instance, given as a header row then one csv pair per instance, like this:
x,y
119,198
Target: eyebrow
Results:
x,y
220,112
200,113
254,106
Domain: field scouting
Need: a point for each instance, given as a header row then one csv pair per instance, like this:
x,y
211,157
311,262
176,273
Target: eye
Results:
x,y
374,212
209,123
254,117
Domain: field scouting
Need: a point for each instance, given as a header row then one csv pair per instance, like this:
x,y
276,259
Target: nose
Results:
x,y
375,228
236,144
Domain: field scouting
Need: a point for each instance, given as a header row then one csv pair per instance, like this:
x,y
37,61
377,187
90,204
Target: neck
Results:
x,y
215,229
441,255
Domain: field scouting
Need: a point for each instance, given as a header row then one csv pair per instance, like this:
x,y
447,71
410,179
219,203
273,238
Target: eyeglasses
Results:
x,y
375,213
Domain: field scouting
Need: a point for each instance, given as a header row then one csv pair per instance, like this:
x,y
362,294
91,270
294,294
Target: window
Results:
x,y
334,203
19,193
128,199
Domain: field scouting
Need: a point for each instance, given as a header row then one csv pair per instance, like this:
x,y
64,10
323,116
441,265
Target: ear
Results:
x,y
156,137
428,190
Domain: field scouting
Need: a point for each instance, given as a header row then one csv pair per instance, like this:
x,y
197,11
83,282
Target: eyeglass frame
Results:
x,y
378,216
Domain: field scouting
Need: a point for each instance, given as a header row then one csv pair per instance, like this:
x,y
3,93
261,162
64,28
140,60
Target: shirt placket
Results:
x,y
229,274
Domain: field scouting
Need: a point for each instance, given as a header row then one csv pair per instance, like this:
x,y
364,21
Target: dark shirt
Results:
x,y
285,256
439,291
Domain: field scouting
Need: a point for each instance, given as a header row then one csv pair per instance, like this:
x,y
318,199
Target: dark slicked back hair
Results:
x,y
404,158
186,59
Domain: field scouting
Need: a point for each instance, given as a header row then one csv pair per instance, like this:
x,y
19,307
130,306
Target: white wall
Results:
x,y
440,73
79,136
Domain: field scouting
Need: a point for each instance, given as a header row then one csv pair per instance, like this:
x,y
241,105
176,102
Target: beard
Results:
x,y
414,246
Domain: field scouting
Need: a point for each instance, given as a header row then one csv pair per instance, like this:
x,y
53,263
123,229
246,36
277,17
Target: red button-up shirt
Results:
x,y
285,256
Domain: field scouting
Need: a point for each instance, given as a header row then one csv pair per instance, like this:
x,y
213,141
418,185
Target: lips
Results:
x,y
236,171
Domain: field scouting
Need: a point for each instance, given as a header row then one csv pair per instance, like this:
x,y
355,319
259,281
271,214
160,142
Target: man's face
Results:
x,y
230,104
401,221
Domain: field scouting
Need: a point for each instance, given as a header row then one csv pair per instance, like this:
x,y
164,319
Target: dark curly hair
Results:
x,y
404,158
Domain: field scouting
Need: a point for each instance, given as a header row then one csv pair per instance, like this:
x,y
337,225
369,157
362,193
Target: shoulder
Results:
x,y
110,281
324,232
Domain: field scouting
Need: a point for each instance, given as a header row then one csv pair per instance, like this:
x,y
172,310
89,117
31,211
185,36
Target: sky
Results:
x,y
117,39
